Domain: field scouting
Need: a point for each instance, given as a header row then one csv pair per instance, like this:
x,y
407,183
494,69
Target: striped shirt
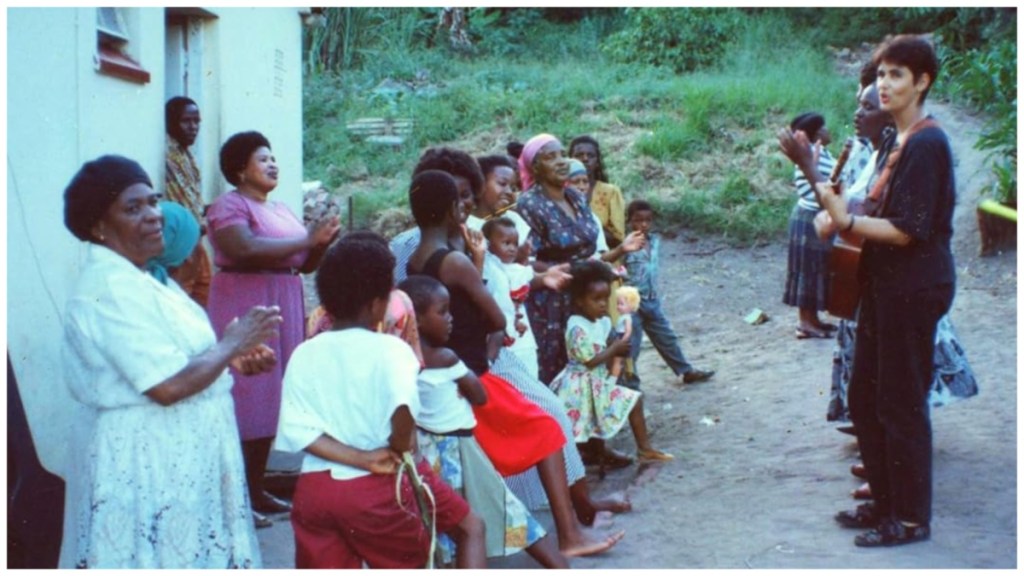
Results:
x,y
808,200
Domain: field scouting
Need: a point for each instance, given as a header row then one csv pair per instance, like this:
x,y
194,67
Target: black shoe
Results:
x,y
848,430
893,533
261,521
863,517
694,376
268,504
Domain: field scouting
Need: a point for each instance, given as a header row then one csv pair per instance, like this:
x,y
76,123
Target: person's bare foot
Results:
x,y
614,505
590,544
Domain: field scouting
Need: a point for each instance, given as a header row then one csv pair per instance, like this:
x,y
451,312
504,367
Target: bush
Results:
x,y
683,39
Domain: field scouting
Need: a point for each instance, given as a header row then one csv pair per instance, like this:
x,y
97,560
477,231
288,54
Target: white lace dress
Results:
x,y
154,486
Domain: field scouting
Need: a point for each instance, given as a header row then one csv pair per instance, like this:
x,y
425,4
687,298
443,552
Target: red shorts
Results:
x,y
342,523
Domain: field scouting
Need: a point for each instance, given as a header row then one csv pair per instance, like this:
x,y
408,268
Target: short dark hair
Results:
x,y
421,290
366,234
489,163
494,223
587,272
173,110
353,273
432,194
454,162
514,149
915,53
810,123
235,153
638,206
599,173
868,73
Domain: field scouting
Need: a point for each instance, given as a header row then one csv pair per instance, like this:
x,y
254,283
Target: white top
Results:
x,y
346,384
501,279
140,467
859,189
602,242
442,407
125,332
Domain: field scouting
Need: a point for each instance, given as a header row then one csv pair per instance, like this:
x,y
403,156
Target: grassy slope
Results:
x,y
701,146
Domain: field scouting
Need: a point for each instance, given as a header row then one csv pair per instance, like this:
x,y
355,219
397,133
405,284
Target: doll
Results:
x,y
627,300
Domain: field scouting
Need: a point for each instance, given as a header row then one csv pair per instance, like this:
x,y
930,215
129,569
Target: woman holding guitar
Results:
x,y
907,282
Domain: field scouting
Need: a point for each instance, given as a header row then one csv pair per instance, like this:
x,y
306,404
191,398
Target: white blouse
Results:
x,y
442,407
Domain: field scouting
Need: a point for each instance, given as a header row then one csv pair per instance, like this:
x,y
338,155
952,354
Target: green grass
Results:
x,y
703,146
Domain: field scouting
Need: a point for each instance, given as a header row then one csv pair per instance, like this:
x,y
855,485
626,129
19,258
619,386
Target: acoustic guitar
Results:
x,y
844,258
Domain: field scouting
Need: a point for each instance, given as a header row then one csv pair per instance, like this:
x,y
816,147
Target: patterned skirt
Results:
x,y
953,380
461,463
807,275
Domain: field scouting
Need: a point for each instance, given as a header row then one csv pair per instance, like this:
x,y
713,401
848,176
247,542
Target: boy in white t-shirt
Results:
x,y
350,402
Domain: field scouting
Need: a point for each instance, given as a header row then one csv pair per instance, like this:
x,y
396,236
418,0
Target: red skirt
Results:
x,y
515,433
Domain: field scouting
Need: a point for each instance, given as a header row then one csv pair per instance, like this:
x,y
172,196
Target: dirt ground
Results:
x,y
759,471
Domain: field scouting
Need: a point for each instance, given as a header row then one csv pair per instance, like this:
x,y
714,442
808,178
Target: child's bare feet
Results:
x,y
586,514
589,544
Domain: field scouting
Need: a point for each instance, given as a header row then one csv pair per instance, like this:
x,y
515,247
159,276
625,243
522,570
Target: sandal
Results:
x,y
652,455
261,521
803,333
893,533
862,517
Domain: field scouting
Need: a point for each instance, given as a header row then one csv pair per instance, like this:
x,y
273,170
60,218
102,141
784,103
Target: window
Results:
x,y
113,46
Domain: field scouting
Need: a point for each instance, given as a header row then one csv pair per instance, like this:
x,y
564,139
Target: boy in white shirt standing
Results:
x,y
350,401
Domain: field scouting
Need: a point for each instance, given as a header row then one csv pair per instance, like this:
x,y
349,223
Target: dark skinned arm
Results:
x,y
618,348
241,335
240,245
403,431
379,461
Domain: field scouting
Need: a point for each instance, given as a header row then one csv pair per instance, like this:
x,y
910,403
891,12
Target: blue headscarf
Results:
x,y
181,233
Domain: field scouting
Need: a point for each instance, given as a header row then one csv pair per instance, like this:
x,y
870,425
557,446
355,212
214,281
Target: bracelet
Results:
x,y
850,225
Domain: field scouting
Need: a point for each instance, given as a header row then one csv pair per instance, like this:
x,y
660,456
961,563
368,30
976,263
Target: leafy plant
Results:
x,y
683,39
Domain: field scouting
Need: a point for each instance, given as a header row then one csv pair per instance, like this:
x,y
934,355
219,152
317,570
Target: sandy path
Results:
x,y
757,488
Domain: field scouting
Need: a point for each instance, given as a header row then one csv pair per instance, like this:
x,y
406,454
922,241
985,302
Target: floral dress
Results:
x,y
556,238
597,406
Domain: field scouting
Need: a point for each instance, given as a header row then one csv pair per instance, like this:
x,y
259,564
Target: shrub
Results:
x,y
683,39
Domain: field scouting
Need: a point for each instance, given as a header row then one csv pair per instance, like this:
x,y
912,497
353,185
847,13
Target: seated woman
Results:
x,y
527,485
514,433
144,357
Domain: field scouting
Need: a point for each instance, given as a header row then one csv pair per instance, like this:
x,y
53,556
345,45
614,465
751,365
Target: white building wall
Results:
x,y
61,113
260,71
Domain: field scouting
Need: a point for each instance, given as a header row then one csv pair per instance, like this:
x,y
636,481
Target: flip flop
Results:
x,y
802,334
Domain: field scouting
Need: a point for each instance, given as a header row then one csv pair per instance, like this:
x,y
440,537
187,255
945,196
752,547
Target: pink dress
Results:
x,y
234,290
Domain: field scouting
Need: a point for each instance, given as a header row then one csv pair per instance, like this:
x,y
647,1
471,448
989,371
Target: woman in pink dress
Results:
x,y
260,247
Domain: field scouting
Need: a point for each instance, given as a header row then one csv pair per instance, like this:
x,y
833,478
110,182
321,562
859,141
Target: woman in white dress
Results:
x,y
159,482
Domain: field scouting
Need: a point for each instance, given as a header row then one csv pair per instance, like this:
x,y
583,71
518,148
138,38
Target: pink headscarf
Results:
x,y
533,145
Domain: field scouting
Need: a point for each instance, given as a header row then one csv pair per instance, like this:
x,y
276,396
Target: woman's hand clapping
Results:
x,y
324,231
246,334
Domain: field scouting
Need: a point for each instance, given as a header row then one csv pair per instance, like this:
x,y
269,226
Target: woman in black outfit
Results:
x,y
907,282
